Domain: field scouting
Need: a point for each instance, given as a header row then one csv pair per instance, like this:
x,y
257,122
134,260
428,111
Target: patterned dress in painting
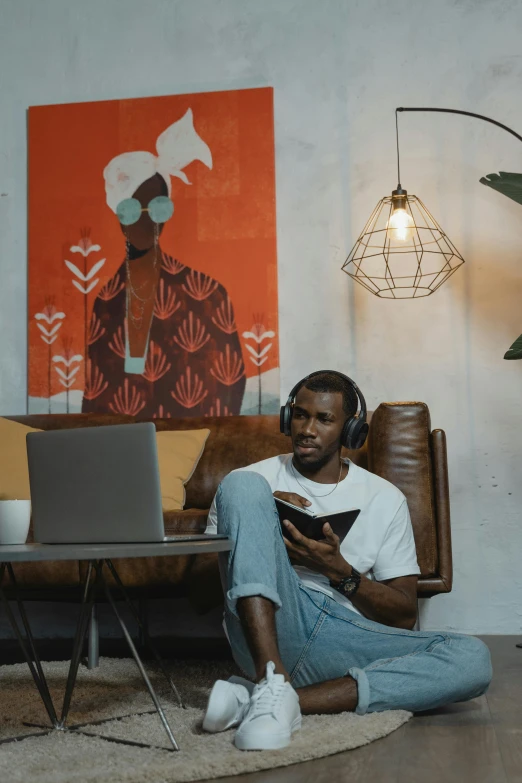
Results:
x,y
194,366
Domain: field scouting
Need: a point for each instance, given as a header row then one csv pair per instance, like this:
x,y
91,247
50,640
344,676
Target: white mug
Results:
x,y
15,517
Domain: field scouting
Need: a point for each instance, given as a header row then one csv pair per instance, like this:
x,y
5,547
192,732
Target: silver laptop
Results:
x,y
97,485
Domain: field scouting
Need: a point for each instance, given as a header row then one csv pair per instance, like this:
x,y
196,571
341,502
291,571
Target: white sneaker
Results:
x,y
273,715
228,704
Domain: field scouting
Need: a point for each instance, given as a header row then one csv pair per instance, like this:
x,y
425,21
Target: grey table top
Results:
x,y
20,553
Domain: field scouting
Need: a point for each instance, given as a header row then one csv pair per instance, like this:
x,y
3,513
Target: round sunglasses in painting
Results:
x,y
160,210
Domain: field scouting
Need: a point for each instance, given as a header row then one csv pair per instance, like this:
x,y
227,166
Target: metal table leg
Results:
x,y
88,597
92,587
33,662
138,661
147,641
93,649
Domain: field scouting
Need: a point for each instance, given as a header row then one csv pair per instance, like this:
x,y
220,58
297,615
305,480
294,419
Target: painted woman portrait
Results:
x,y
170,345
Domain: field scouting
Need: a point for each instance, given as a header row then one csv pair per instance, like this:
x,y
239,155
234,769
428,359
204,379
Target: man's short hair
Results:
x,y
329,382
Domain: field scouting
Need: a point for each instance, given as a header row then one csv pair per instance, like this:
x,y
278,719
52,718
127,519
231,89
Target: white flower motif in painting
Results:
x,y
49,314
84,247
68,375
258,333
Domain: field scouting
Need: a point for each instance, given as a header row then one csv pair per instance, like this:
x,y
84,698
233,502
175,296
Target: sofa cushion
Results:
x,y
14,475
178,456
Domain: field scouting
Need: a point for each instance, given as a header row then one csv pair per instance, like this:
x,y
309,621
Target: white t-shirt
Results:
x,y
380,544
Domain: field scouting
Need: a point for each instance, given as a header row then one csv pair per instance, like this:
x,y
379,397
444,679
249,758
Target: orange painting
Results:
x,y
152,256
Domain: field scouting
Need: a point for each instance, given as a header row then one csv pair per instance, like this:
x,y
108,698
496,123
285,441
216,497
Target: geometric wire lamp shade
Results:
x,y
402,252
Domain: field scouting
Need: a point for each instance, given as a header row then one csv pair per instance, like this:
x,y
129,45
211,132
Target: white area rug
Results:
x,y
115,694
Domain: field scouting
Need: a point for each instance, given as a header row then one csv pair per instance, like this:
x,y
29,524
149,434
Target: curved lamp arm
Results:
x,y
446,111
467,114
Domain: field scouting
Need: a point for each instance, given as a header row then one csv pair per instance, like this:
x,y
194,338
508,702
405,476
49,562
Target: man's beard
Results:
x,y
315,466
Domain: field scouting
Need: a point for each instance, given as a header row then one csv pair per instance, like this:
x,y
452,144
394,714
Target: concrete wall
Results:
x,y
339,68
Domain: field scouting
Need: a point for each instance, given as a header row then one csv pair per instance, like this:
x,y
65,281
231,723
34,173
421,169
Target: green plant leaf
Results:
x,y
515,352
506,182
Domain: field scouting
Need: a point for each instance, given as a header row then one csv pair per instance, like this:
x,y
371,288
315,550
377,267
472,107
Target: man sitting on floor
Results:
x,y
324,627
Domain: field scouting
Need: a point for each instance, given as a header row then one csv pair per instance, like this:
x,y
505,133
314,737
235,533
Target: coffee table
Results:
x,y
99,558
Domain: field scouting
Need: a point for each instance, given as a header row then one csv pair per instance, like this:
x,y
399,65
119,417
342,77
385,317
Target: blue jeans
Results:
x,y
318,638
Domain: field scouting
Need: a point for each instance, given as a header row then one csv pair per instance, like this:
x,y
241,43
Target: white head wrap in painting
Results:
x,y
177,146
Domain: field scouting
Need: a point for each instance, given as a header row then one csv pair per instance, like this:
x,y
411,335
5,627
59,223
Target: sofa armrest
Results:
x,y
442,506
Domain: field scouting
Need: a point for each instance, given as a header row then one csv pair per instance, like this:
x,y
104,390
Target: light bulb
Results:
x,y
400,225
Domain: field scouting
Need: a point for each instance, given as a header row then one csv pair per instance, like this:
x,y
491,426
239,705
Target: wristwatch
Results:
x,y
349,585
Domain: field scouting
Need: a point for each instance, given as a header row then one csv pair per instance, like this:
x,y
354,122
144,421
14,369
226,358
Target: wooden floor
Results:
x,y
478,741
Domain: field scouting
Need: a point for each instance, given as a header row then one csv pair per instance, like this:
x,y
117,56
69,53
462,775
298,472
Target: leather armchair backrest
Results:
x,y
399,451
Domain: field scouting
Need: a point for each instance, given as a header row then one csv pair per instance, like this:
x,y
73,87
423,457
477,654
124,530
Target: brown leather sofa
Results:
x,y
401,448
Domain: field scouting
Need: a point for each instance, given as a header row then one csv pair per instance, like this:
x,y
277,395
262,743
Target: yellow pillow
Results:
x,y
179,452
14,475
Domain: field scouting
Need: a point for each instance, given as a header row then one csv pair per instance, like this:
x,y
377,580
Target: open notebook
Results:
x,y
311,525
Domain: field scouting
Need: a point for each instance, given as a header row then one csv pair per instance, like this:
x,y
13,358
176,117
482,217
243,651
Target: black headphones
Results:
x,y
355,429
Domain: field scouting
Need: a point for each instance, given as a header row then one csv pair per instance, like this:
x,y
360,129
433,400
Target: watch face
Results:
x,y
349,587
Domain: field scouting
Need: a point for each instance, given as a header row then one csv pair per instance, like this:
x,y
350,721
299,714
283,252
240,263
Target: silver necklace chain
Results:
x,y
311,493
140,301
